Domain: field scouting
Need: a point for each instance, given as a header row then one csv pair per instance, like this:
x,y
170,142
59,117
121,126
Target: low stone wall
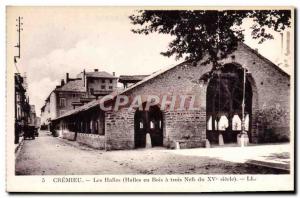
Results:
x,y
68,135
92,140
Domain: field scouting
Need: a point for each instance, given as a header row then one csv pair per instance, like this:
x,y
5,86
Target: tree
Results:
x,y
209,34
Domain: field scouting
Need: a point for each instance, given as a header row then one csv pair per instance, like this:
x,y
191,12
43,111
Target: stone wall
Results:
x,y
270,88
91,140
119,130
68,135
186,127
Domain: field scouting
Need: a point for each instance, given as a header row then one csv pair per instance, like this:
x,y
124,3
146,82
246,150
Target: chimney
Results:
x,y
96,70
114,73
67,77
62,82
84,77
288,40
281,43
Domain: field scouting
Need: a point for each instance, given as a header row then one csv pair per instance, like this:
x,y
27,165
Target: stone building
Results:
x,y
45,115
216,107
75,92
22,107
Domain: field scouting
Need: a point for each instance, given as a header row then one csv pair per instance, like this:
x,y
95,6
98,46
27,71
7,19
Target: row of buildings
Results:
x,y
78,91
25,114
72,110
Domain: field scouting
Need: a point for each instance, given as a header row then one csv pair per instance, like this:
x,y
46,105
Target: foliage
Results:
x,y
272,116
273,124
209,34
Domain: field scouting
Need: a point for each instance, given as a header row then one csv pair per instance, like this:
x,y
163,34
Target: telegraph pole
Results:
x,y
244,136
18,125
19,29
243,102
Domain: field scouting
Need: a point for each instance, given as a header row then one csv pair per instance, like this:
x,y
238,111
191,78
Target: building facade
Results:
x,y
22,107
75,92
216,107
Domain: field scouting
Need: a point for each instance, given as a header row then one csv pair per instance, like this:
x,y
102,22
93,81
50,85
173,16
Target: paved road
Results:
x,y
47,155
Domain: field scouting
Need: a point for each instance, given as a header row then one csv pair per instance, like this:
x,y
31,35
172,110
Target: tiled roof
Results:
x,y
100,74
114,94
132,77
74,85
89,105
80,109
153,75
265,59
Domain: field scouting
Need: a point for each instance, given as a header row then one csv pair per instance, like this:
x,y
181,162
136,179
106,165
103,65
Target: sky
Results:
x,y
56,40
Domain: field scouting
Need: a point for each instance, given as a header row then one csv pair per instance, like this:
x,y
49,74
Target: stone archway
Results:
x,y
148,121
224,104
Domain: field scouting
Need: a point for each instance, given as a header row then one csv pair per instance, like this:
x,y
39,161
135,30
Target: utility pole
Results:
x,y
243,136
19,29
243,102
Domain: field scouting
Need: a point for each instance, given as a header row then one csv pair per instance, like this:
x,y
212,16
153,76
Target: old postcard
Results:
x,y
150,99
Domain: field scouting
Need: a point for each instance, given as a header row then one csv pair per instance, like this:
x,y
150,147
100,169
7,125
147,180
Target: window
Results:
x,y
91,90
18,97
236,123
110,87
209,123
91,80
74,95
103,80
223,123
91,129
62,102
18,112
96,127
102,86
110,80
141,125
247,122
61,112
151,124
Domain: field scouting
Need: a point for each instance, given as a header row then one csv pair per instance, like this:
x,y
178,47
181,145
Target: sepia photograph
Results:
x,y
175,96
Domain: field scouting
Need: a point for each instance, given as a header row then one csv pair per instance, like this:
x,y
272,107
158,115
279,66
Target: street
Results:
x,y
47,155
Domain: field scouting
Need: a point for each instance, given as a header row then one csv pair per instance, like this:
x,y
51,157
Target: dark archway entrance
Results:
x,y
151,122
224,104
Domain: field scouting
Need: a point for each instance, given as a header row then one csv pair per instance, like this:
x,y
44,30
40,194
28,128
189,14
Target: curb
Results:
x,y
19,147
279,166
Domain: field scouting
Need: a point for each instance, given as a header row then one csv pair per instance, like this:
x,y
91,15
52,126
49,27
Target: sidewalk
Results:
x,y
47,155
275,156
19,146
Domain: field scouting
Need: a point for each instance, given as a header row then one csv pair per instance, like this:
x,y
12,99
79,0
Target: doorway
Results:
x,y
151,122
224,104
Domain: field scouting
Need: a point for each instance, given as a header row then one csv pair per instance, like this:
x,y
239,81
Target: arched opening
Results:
x,y
224,104
148,121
